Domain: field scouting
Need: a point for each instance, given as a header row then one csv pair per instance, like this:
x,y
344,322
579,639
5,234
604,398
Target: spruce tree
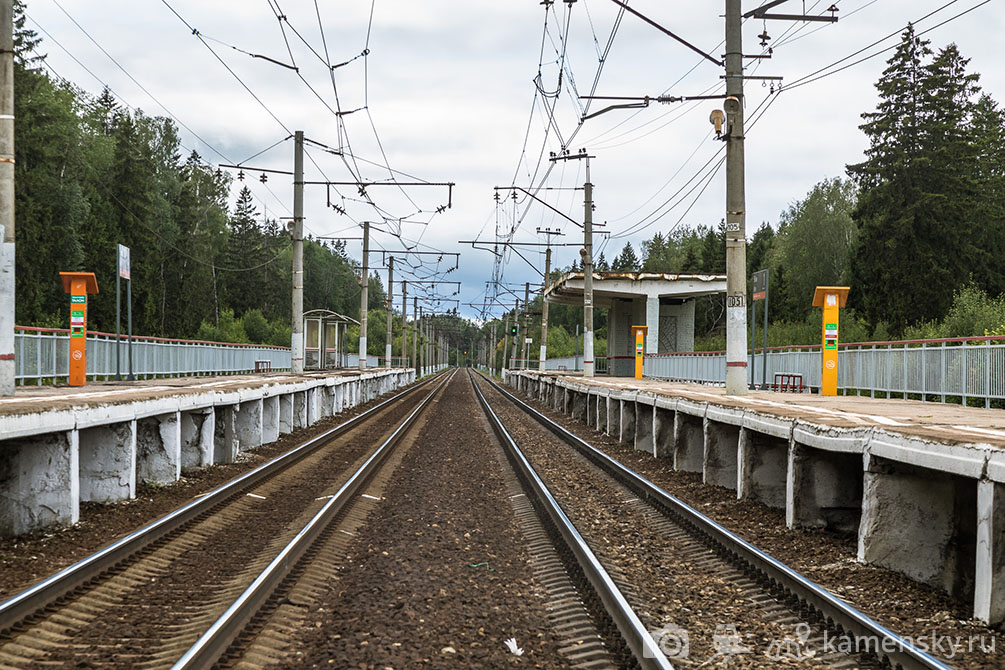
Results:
x,y
915,242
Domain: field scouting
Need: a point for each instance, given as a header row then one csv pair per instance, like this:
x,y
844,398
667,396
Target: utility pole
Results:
x,y
390,311
505,351
492,367
544,302
516,325
415,335
404,321
364,283
526,329
736,240
587,253
297,341
588,275
7,197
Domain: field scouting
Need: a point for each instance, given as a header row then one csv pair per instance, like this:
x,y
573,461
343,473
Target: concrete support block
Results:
x,y
338,399
722,444
286,414
249,424
823,489
591,409
762,464
663,432
198,430
689,443
158,448
270,419
225,442
108,462
313,406
614,417
39,482
989,587
326,401
300,410
578,403
644,428
921,523
627,434
601,413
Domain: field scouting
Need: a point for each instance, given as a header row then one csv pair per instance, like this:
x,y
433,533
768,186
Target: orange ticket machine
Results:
x,y
78,285
831,298
640,348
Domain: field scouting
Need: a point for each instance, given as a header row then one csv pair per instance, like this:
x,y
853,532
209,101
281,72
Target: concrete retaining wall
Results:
x,y
51,460
931,510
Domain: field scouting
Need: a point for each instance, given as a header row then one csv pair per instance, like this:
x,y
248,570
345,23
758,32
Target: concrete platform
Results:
x,y
922,484
60,445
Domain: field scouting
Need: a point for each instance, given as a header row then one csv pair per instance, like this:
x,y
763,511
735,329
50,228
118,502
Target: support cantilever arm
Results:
x,y
523,190
663,30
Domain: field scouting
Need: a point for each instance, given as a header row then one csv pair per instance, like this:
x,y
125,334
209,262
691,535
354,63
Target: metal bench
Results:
x,y
263,366
787,382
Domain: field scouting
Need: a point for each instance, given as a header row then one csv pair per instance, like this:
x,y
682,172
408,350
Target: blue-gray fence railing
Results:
x,y
955,369
42,355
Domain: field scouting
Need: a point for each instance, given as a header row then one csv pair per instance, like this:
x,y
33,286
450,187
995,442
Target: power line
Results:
x,y
813,76
228,68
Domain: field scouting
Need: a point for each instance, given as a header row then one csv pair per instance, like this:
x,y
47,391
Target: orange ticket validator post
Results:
x,y
831,298
640,342
78,285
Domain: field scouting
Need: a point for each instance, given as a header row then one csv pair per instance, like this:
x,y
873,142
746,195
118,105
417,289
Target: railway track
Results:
x,y
228,581
782,595
144,600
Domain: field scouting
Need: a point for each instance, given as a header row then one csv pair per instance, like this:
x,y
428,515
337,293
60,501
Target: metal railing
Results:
x,y
575,364
955,369
42,355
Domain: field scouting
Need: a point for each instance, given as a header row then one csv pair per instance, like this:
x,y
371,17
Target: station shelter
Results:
x,y
324,339
662,302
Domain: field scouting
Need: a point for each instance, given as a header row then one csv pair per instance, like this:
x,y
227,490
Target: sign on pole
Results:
x,y
760,285
124,262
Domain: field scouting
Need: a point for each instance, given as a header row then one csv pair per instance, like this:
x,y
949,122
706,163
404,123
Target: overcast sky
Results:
x,y
450,88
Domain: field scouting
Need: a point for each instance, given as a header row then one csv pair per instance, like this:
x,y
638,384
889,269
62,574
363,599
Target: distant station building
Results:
x,y
663,302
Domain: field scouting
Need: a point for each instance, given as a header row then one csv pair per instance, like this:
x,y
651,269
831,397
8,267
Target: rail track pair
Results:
x,y
41,617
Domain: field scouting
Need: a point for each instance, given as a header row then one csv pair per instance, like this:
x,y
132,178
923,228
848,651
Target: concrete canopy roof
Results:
x,y
568,289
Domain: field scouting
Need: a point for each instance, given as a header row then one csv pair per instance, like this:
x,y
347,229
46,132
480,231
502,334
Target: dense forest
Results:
x,y
92,174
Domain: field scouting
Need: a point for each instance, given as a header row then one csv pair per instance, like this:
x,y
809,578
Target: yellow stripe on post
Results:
x,y
832,299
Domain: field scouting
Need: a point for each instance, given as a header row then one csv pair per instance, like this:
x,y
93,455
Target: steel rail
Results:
x,y
636,636
41,595
215,642
837,614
